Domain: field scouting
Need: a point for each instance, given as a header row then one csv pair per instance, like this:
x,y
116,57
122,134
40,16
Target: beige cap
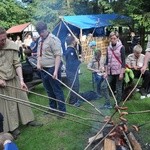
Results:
x,y
6,136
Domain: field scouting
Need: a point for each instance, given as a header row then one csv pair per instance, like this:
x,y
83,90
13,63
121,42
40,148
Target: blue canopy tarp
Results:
x,y
86,23
93,21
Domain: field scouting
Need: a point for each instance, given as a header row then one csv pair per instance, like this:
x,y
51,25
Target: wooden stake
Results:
x,y
109,144
93,138
134,142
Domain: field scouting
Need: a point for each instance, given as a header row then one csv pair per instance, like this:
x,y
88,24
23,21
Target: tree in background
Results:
x,y
49,11
12,13
139,11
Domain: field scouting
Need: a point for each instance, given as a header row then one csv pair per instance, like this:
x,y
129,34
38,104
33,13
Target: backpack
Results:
x,y
27,71
89,95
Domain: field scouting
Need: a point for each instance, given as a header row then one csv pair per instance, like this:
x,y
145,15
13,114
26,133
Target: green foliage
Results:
x,y
105,7
137,9
81,8
11,13
94,7
49,11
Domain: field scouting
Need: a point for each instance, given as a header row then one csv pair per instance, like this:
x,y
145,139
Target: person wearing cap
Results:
x,y
49,60
135,61
96,66
92,45
72,68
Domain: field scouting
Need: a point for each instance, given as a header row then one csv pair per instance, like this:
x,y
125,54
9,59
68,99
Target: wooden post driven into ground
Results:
x,y
134,142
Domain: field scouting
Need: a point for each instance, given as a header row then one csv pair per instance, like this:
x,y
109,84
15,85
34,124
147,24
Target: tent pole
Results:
x,y
70,30
80,33
23,37
59,29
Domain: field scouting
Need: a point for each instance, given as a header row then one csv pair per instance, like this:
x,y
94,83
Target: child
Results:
x,y
72,67
96,65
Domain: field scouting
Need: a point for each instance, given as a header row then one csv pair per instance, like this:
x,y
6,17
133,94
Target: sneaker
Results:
x,y
49,111
137,90
15,133
34,124
72,102
99,96
148,95
77,104
106,106
143,92
109,107
60,115
142,97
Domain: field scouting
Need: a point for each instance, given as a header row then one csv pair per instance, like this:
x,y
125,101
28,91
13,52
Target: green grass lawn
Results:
x,y
62,134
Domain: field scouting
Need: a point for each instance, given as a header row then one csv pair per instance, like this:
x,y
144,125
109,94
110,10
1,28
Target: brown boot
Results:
x,y
15,133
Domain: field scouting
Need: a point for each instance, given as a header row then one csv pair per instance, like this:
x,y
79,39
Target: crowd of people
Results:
x,y
46,53
119,68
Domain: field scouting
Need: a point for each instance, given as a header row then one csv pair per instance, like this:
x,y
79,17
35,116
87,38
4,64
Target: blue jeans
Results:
x,y
98,79
53,89
70,79
102,88
105,92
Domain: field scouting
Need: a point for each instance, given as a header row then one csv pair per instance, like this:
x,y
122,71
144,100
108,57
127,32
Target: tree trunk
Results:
x,y
68,3
142,36
134,142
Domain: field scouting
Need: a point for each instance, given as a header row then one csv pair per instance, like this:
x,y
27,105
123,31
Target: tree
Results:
x,y
138,10
12,13
49,11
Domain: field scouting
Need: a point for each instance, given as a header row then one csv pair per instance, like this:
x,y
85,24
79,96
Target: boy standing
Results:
x,y
72,67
